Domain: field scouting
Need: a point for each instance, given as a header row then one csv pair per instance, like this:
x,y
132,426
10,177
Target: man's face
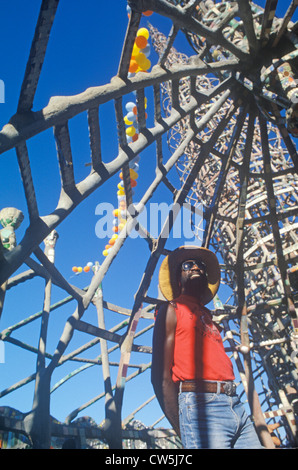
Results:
x,y
193,275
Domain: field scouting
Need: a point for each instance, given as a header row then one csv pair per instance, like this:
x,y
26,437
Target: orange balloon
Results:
x,y
112,241
133,66
133,183
115,229
141,42
135,137
75,269
147,13
135,110
87,269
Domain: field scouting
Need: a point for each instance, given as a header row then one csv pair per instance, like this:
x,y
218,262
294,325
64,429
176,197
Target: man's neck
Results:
x,y
189,293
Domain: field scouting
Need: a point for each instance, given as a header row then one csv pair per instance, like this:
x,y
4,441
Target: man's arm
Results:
x,y
162,360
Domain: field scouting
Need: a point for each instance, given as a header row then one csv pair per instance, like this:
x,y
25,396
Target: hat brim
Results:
x,y
168,279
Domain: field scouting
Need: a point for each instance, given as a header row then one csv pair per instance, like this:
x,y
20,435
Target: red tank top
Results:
x,y
199,352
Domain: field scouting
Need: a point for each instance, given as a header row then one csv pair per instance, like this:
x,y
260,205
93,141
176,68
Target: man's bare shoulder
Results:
x,y
165,309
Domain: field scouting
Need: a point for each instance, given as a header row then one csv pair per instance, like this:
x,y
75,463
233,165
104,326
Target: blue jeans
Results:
x,y
215,421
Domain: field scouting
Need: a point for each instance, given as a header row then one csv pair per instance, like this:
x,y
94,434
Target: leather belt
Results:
x,y
229,388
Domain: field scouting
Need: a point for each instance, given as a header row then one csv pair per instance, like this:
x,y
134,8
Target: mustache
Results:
x,y
197,272
200,278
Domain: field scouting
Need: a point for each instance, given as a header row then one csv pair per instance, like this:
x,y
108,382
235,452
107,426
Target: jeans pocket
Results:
x,y
197,398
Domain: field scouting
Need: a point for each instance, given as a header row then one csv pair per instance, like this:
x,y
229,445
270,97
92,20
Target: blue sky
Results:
x,y
84,50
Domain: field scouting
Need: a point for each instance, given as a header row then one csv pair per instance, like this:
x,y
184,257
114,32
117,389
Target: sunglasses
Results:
x,y
187,265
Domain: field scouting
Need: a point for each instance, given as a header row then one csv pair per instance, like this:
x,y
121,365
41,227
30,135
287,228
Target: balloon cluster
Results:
x,y
119,214
119,220
85,269
139,61
131,121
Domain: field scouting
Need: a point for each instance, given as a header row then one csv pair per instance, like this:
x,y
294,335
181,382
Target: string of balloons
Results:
x,y
139,62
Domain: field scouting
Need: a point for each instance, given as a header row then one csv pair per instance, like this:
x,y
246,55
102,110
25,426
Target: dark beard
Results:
x,y
195,286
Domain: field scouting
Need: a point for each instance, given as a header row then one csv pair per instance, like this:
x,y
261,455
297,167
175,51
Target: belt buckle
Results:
x,y
229,388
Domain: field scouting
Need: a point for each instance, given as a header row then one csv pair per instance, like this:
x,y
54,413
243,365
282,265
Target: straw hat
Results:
x,y
168,279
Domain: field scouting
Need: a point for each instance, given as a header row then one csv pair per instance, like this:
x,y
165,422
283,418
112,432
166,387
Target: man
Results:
x,y
191,374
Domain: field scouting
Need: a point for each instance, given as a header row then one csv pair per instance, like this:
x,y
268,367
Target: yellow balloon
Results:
x,y
133,174
80,269
143,32
130,131
105,252
146,64
141,59
135,50
127,121
120,193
